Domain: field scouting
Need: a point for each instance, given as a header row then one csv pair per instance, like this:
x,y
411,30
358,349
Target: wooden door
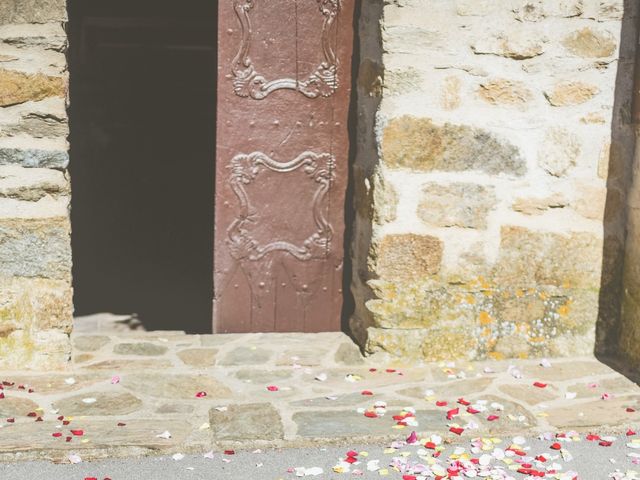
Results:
x,y
284,83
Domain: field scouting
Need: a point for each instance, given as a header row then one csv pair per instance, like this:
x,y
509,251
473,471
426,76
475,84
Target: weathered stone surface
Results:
x,y
16,407
591,199
32,436
56,382
401,81
198,357
174,386
175,408
451,89
34,158
90,343
522,307
593,118
505,92
259,421
590,43
475,7
569,93
31,184
50,36
407,256
465,205
529,258
518,45
561,370
434,344
530,11
417,304
144,349
611,9
305,357
347,423
531,395
615,386
107,403
35,303
38,125
596,414
220,339
263,376
43,350
538,10
559,151
349,400
18,87
83,358
32,11
35,248
418,143
453,390
246,356
539,205
131,365
348,354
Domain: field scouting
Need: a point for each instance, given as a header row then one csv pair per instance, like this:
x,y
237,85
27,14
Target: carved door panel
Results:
x,y
284,84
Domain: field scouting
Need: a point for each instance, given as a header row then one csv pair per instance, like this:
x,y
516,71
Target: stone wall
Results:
x,y
35,254
494,143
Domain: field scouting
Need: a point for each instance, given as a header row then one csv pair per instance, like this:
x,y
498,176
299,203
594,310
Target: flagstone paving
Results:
x,y
139,393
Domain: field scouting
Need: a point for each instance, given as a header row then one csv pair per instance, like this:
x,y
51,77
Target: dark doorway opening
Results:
x,y
143,83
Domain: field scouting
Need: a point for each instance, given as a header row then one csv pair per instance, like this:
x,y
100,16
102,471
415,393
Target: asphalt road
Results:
x,y
590,461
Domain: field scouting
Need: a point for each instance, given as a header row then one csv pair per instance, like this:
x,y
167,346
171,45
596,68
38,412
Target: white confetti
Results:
x,y
70,381
89,401
166,435
178,456
74,458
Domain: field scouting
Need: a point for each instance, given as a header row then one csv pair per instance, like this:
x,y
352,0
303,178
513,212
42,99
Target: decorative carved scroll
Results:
x,y
323,81
320,168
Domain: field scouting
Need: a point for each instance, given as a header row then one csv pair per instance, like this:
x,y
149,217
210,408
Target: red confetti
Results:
x,y
122,424
373,369
370,414
391,370
229,452
456,430
56,434
32,414
605,443
630,410
11,420
630,433
367,392
556,446
77,433
540,385
441,403
408,477
351,460
201,394
452,413
462,401
430,445
272,388
1,395
493,418
472,410
592,438
352,453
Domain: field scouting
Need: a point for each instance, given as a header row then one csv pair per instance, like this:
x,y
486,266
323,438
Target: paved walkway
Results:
x,y
167,392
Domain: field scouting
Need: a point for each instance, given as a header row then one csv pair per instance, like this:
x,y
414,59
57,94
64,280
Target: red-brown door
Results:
x,y
284,84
